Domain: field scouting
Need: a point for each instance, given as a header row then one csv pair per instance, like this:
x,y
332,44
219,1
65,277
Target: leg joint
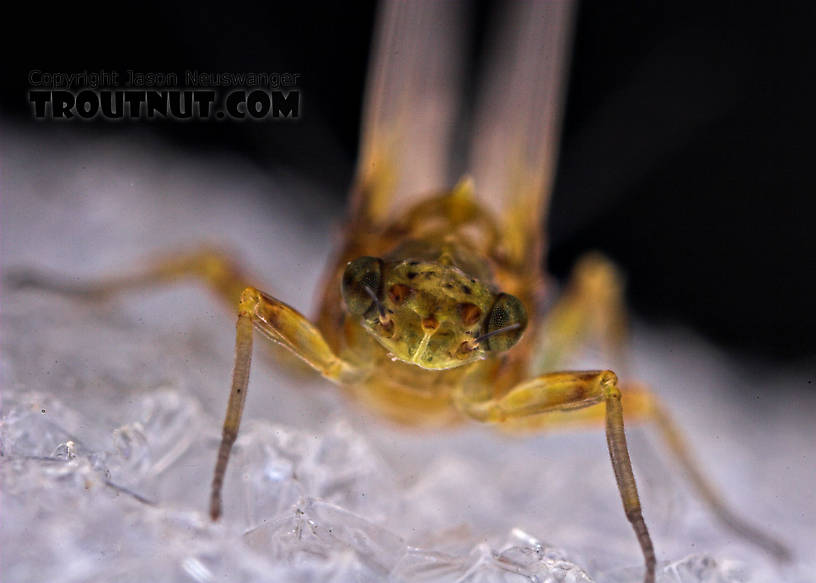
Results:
x,y
609,384
250,298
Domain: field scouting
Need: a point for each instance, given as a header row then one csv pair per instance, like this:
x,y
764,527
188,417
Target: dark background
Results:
x,y
687,146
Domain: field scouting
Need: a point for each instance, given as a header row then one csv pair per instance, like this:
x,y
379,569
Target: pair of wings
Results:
x,y
411,145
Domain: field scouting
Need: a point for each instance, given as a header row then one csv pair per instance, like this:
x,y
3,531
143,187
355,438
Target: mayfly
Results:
x,y
433,308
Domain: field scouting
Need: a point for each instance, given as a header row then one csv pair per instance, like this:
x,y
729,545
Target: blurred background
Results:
x,y
686,151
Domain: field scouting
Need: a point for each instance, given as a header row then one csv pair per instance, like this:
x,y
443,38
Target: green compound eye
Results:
x,y
361,280
504,324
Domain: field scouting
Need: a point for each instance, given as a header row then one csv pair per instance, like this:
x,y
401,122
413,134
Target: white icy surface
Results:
x,y
111,417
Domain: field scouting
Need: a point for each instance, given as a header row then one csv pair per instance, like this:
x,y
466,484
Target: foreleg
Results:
x,y
563,391
282,325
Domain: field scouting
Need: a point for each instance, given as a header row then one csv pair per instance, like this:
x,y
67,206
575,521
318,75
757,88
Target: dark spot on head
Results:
x,y
398,293
430,274
411,274
470,313
472,280
448,285
430,323
466,289
413,263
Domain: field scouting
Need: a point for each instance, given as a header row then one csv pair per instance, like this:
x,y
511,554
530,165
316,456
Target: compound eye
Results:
x,y
504,324
361,284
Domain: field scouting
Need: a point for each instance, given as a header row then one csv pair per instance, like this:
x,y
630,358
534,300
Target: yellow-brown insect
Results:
x,y
432,308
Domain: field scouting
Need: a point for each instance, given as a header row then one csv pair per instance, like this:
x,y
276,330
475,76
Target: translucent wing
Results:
x,y
517,122
410,108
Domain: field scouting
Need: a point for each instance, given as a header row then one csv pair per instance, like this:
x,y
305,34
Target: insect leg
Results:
x,y
214,268
219,271
285,326
563,391
654,411
592,309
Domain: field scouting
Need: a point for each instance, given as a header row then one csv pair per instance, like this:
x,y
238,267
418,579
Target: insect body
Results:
x,y
431,312
426,328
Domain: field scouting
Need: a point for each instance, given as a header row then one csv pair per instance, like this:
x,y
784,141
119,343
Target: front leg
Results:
x,y
287,327
563,391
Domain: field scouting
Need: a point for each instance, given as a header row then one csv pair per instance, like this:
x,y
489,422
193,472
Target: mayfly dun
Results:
x,y
433,307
